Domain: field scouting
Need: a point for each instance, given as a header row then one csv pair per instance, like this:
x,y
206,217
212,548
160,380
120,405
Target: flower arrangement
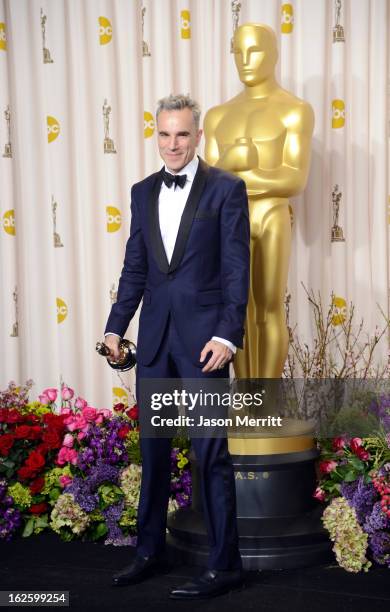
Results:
x,y
354,468
74,469
354,476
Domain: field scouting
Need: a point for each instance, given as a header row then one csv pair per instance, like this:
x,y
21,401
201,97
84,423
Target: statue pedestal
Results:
x,y
279,521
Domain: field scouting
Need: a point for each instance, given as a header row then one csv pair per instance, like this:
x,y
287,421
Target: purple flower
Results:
x,y
377,520
10,517
112,515
379,543
360,496
84,490
381,409
103,443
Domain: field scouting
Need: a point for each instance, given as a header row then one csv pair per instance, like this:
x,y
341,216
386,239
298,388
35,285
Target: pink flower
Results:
x,y
362,453
119,407
65,410
355,444
81,435
68,440
51,393
74,422
319,494
338,443
80,403
327,466
105,412
89,413
67,393
66,455
65,480
43,398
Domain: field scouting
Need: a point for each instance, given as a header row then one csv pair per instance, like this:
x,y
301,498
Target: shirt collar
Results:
x,y
190,169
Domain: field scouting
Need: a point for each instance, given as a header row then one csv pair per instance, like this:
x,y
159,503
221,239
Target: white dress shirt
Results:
x,y
171,204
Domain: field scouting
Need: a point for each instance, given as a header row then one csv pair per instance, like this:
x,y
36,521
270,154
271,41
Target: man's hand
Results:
x,y
112,342
221,355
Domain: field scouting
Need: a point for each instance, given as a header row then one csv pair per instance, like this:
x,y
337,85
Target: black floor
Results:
x,y
44,562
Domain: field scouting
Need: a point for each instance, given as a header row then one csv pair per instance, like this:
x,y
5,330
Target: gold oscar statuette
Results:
x,y
337,231
46,53
127,355
109,146
338,30
236,7
145,46
56,237
15,326
263,135
113,294
7,146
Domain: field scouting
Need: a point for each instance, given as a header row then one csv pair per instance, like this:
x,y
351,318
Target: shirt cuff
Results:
x,y
112,334
232,347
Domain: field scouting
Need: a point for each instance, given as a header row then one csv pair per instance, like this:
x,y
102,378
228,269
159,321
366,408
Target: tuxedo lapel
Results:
x,y
154,226
198,185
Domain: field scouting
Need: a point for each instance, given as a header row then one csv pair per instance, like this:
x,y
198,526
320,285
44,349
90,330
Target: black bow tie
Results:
x,y
177,179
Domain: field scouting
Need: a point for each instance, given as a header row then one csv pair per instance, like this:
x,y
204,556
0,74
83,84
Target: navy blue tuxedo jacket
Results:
x,y
205,286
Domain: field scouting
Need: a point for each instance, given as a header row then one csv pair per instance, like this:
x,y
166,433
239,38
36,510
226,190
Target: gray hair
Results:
x,y
178,102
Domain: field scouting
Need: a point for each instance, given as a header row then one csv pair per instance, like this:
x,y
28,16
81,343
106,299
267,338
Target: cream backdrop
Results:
x,y
64,189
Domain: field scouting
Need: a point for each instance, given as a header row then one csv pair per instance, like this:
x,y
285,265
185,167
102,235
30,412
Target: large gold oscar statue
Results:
x,y
263,135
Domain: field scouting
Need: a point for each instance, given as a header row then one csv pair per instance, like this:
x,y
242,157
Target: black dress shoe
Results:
x,y
209,584
140,569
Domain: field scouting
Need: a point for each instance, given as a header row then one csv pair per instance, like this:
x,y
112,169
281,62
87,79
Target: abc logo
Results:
x,y
53,128
62,310
287,19
185,18
339,311
114,219
338,114
119,396
105,30
9,222
148,124
3,39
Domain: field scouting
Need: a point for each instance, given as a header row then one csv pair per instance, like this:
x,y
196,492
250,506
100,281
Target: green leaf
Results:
x,y
99,531
42,521
54,494
28,528
356,463
350,476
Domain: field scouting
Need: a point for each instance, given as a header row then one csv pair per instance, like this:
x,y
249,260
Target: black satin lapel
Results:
x,y
154,226
188,214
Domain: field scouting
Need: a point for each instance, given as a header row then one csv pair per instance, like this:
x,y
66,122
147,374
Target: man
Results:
x,y
188,258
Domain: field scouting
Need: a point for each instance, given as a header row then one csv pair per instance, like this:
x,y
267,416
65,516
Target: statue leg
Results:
x,y
271,260
246,360
266,336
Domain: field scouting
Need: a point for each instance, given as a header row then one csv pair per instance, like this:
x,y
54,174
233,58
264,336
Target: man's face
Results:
x,y
254,54
177,137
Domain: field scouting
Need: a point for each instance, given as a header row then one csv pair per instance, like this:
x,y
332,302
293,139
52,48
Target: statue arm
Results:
x,y
211,149
290,177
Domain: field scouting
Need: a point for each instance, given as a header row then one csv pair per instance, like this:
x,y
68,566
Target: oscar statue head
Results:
x,y
255,53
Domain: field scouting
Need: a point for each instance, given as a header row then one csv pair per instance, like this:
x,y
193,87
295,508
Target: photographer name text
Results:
x,y
202,421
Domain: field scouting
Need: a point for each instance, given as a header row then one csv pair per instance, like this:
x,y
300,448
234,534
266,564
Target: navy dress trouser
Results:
x,y
215,466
